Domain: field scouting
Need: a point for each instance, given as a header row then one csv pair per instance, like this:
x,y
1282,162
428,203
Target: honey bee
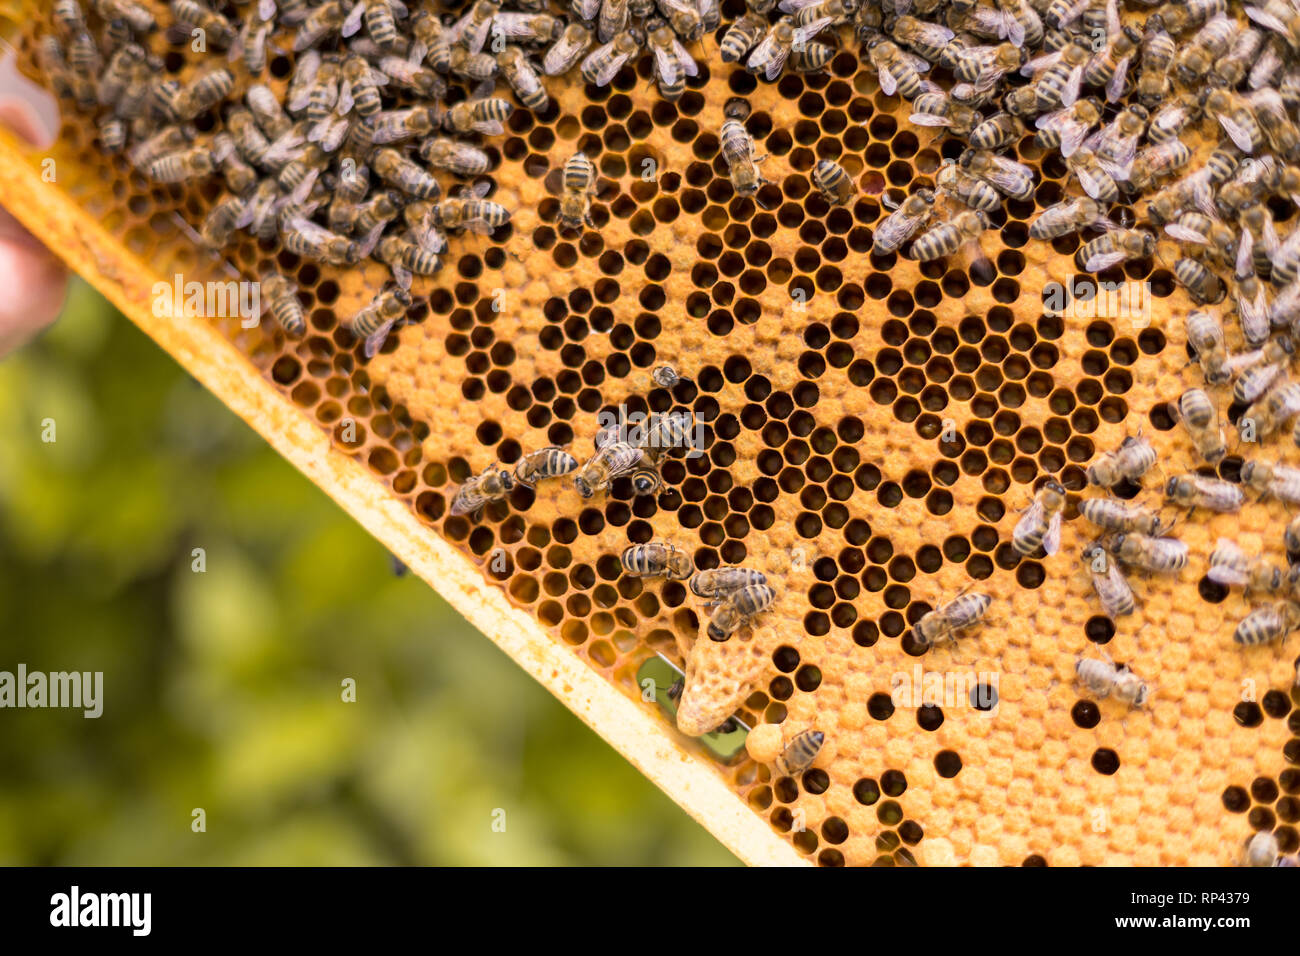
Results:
x,y
716,584
603,63
1262,850
579,187
471,30
359,89
1267,624
303,237
1102,678
1291,537
684,15
738,608
811,57
1197,491
258,215
321,22
1005,175
218,30
952,180
202,93
1059,84
119,73
411,178
742,158
1246,49
664,432
1268,479
903,222
1115,515
963,612
565,53
833,182
742,36
798,755
1198,415
133,15
455,156
239,176
404,73
1067,216
896,70
432,42
1210,44
1133,459
665,376
672,61
1157,57
997,132
182,166
1169,121
1163,555
611,20
492,484
373,323
982,67
522,77
1092,176
469,210
963,230
1199,230
1113,590
612,461
396,126
1192,14
1229,566
1040,525
284,304
928,40
657,560
1234,115
1109,67
1272,411
770,55
1202,285
1115,247
377,16
1067,129
1205,336
1267,365
549,462
407,259
645,481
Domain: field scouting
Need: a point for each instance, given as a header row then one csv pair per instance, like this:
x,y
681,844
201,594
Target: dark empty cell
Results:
x,y
1099,629
1236,800
1276,704
1211,591
1105,761
880,707
1085,714
1264,790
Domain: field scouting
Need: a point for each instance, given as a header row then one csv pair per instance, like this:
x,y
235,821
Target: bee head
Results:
x,y
507,480
715,634
1131,33
584,489
1171,487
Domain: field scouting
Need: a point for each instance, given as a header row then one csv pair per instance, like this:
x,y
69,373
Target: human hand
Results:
x,y
35,281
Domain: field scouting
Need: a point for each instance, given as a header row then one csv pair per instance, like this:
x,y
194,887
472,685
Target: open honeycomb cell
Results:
x,y
872,428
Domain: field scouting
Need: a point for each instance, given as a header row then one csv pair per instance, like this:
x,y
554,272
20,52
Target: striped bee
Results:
x,y
1103,678
549,462
1229,565
373,322
1267,624
738,608
1198,415
284,304
833,182
491,484
1133,459
798,755
963,612
579,186
903,222
716,583
1040,525
1116,515
1163,555
1112,588
1197,491
1272,480
658,560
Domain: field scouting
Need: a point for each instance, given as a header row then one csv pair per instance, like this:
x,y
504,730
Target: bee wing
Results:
x,y
1223,574
1040,63
794,6
1254,316
587,9
1186,234
888,85
1057,120
611,69
493,127
667,66
1113,24
809,30
1267,20
1239,135
928,119
684,58
1203,194
266,9
1012,29
400,10
375,341
352,24
1104,260
1115,88
479,226
1070,92
1052,540
918,63
1072,137
1093,184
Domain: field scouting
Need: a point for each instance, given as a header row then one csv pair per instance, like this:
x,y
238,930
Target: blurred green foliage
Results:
x,y
223,689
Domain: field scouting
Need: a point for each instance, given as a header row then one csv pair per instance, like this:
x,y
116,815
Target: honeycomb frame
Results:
x,y
1031,396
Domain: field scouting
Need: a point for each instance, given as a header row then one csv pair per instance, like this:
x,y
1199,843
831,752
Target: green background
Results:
x,y
222,689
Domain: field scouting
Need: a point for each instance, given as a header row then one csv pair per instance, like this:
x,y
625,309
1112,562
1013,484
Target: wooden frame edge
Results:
x,y
212,359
